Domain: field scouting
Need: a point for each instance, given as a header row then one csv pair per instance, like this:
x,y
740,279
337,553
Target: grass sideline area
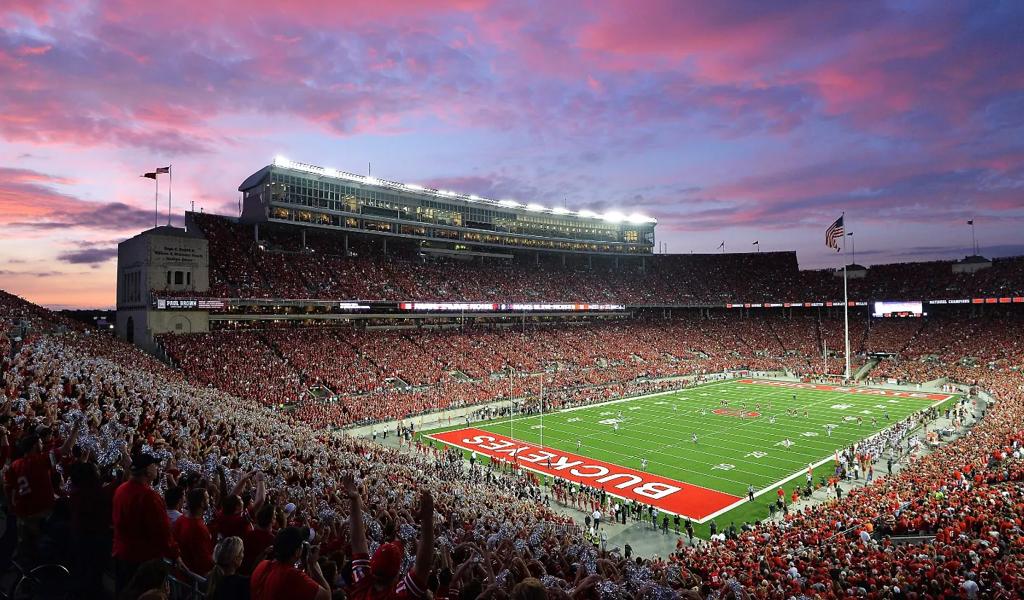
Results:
x,y
737,444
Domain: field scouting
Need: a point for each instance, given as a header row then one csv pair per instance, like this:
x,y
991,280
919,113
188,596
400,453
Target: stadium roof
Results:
x,y
611,216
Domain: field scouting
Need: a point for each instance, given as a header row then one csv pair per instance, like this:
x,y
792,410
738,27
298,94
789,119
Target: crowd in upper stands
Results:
x,y
280,265
114,462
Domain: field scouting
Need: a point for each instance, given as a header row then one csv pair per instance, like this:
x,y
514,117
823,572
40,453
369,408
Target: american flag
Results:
x,y
833,233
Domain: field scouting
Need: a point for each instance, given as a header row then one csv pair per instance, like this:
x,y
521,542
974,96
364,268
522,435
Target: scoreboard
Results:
x,y
898,309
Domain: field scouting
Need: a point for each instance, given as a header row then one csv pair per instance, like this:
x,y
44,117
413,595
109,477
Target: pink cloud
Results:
x,y
29,201
747,114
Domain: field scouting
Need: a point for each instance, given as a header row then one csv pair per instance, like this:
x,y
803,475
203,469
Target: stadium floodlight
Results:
x,y
588,214
415,186
613,216
511,203
534,207
331,172
371,180
637,218
280,161
558,210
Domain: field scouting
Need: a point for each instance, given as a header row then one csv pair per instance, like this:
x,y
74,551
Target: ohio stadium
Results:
x,y
731,411
485,300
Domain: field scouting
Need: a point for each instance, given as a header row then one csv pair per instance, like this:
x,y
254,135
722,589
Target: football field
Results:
x,y
643,448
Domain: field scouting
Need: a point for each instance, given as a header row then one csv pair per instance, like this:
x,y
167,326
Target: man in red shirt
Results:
x,y
28,484
377,579
234,516
142,530
258,539
190,533
278,578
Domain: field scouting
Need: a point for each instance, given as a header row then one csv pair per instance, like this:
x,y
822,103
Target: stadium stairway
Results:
x,y
863,371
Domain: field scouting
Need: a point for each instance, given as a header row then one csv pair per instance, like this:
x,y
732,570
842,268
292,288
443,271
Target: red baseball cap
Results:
x,y
387,560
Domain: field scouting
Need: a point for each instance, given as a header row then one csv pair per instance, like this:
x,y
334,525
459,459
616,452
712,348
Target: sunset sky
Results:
x,y
734,121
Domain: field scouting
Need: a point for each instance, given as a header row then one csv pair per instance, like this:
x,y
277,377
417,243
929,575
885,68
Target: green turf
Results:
x,y
660,427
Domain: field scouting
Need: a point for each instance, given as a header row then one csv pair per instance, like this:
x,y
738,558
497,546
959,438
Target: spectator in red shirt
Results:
x,y
258,539
278,578
28,484
191,534
233,519
142,530
377,579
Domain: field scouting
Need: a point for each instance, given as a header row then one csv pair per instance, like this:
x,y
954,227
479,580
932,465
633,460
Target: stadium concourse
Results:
x,y
95,433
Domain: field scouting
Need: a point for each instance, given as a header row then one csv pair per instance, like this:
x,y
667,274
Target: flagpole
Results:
x,y
170,186
542,409
156,202
846,312
974,240
846,323
511,404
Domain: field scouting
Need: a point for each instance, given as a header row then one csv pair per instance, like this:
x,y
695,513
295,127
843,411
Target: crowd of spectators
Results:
x,y
282,263
380,374
376,374
105,447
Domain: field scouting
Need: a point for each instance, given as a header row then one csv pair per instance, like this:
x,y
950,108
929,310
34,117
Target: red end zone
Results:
x,y
667,494
849,390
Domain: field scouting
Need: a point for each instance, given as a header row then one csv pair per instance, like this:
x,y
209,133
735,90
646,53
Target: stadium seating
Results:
x,y
377,375
967,497
280,266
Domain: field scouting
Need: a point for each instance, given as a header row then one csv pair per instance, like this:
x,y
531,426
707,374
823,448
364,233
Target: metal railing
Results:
x,y
43,582
185,586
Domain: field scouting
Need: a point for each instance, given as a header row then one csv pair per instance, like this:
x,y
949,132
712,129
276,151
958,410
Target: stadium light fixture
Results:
x,y
637,218
510,203
558,210
534,207
613,216
588,214
415,186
